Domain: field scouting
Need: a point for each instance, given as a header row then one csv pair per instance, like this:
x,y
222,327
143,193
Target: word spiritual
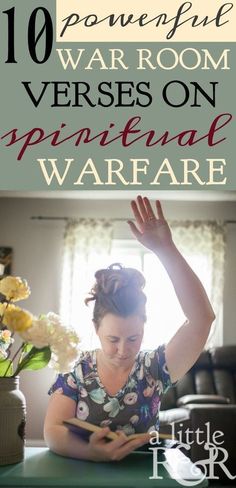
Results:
x,y
143,20
128,136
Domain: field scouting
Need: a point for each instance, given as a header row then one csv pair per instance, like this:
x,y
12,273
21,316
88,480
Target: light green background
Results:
x,y
18,111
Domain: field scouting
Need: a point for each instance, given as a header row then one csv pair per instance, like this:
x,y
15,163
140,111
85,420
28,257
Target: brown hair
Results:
x,y
118,290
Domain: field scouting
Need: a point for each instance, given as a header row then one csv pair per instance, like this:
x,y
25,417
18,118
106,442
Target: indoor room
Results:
x,y
58,240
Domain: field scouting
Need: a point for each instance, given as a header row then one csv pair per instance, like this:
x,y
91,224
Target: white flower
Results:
x,y
63,343
63,359
38,334
48,330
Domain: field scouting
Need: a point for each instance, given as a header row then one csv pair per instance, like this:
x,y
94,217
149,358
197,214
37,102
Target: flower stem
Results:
x,y
14,357
2,316
1,323
24,361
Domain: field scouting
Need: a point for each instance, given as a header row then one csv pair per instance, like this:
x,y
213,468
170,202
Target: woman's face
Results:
x,y
121,338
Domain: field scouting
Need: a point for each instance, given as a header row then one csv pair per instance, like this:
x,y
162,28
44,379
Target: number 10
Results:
x,y
33,36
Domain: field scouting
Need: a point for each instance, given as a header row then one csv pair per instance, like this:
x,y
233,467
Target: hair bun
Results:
x,y
115,277
118,291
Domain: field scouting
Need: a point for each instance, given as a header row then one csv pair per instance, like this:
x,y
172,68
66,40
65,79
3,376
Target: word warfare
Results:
x,y
131,173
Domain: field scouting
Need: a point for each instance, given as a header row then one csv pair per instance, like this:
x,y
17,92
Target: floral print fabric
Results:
x,y
134,409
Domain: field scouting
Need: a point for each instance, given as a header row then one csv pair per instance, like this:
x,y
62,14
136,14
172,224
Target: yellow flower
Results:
x,y
4,306
17,319
14,288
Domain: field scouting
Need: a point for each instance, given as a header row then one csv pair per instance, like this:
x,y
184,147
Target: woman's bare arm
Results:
x,y
186,345
58,438
154,233
64,442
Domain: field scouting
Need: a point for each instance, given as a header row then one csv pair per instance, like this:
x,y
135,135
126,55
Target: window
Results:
x,y
202,244
164,314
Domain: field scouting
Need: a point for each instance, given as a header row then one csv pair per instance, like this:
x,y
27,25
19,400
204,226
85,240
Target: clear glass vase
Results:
x,y
12,421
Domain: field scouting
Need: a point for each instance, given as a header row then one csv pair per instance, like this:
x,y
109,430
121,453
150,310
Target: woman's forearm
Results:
x,y
188,288
61,441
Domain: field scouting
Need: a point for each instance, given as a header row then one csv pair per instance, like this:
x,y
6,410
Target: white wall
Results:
x,y
37,257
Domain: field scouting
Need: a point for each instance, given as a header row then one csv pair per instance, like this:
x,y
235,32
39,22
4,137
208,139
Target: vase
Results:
x,y
12,421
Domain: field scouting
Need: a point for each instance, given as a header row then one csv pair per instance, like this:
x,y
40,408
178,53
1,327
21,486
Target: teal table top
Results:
x,y
42,468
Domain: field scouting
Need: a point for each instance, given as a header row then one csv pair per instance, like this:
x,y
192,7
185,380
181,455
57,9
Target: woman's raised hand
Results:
x,y
149,229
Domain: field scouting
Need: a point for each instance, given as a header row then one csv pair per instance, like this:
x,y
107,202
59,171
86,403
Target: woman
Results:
x,y
118,387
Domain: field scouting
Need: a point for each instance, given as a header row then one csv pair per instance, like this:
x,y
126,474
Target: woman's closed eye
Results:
x,y
116,339
133,338
113,339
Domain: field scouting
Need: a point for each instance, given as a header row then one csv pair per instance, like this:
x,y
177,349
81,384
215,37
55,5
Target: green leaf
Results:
x,y
26,348
35,359
4,366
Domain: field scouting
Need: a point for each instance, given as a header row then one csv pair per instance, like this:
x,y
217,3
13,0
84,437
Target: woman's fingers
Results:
x,y
147,221
142,208
129,447
97,436
121,440
116,449
137,213
159,210
144,212
134,229
149,210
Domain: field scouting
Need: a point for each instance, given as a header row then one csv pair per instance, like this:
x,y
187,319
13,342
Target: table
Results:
x,y
42,468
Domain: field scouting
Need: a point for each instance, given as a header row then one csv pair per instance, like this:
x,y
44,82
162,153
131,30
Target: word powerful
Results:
x,y
163,19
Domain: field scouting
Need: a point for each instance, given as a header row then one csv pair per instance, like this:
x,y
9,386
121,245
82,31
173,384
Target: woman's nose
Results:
x,y
122,349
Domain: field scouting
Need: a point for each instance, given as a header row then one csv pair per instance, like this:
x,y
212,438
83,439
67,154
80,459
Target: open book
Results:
x,y
84,429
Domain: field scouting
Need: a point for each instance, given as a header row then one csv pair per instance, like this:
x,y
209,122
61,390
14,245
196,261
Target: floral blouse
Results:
x,y
134,409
